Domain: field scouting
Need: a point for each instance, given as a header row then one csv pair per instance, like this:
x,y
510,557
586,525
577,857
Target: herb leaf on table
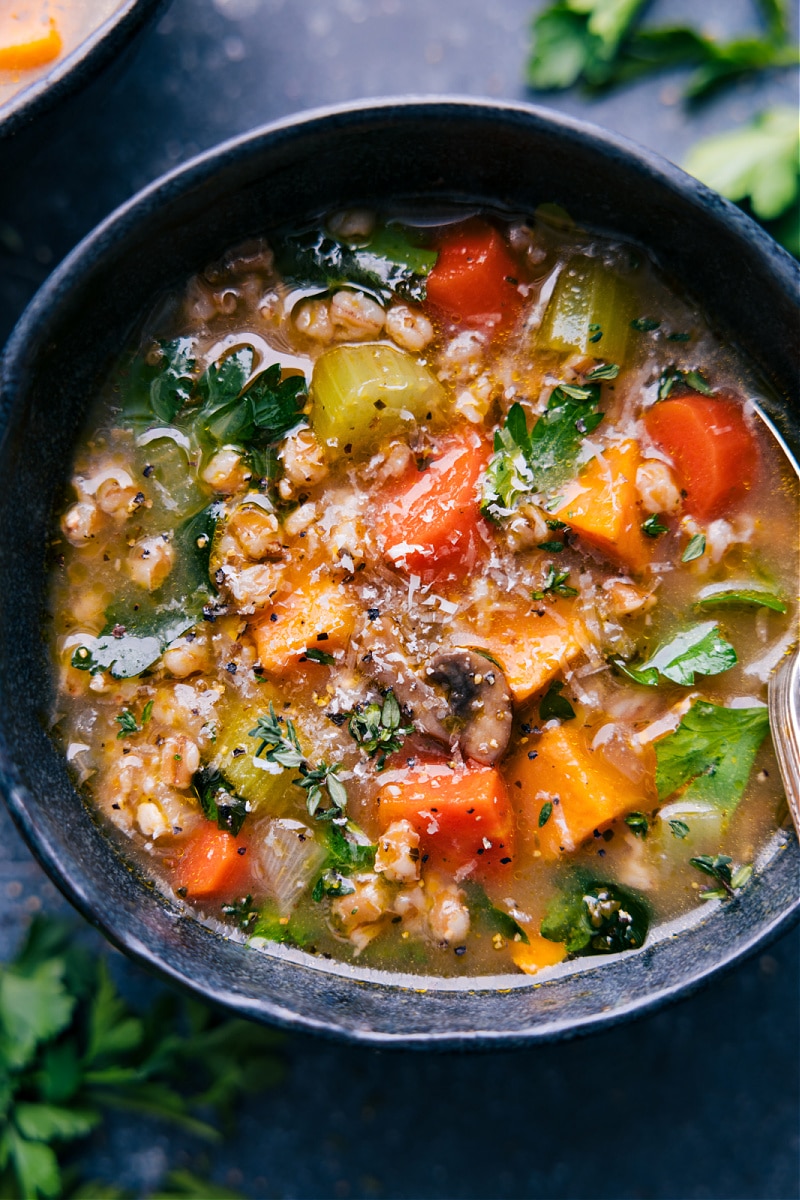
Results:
x,y
71,1048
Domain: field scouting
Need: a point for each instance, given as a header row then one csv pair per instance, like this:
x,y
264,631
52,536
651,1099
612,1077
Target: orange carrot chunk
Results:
x,y
476,278
604,510
430,525
714,453
462,815
318,616
584,790
25,56
213,864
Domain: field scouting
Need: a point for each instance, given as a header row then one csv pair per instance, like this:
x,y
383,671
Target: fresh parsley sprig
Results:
x,y
602,44
71,1048
379,729
526,463
279,743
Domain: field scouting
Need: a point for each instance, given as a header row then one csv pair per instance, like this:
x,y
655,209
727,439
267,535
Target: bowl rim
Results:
x,y
76,68
81,262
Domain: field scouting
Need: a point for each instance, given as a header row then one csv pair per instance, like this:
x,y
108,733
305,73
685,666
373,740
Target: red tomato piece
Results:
x,y
476,278
430,524
461,815
713,451
213,864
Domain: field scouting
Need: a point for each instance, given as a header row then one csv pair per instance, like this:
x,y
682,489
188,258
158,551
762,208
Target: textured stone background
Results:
x,y
701,1100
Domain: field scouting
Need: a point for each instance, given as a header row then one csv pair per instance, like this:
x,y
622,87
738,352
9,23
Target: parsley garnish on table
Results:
x,y
71,1048
604,43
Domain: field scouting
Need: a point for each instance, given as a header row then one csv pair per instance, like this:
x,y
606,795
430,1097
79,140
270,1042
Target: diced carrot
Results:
x,y
213,864
316,616
539,953
430,524
714,453
531,645
461,815
604,509
476,278
35,52
585,790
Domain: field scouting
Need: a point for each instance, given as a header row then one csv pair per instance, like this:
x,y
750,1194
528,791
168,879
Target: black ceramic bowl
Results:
x,y
73,70
64,345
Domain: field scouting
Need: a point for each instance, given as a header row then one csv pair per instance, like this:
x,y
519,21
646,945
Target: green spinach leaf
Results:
x,y
592,917
699,650
390,262
724,595
711,753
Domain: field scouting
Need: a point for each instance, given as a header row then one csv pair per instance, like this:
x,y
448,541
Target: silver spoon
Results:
x,y
784,719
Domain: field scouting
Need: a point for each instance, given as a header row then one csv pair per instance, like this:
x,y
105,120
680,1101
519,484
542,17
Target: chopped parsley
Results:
x,y
218,800
526,463
554,706
592,917
645,324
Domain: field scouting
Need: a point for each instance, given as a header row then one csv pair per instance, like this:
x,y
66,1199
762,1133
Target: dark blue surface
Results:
x,y
700,1101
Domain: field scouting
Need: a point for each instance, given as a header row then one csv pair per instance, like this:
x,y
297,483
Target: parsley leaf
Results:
x,y
554,706
71,1048
699,650
379,728
157,392
592,917
712,751
576,39
256,417
349,850
525,463
756,162
495,919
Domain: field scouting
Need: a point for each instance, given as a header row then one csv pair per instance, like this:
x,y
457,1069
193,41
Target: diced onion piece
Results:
x,y
362,394
288,859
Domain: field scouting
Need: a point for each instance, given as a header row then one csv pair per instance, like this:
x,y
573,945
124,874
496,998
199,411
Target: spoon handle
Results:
x,y
784,717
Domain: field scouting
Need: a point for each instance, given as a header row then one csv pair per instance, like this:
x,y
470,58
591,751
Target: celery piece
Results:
x,y
362,394
590,311
263,785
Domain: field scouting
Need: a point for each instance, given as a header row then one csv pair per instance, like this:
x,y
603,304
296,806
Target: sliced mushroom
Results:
x,y
382,656
480,697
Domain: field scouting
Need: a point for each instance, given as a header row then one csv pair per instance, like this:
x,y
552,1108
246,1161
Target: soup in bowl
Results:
x,y
421,567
